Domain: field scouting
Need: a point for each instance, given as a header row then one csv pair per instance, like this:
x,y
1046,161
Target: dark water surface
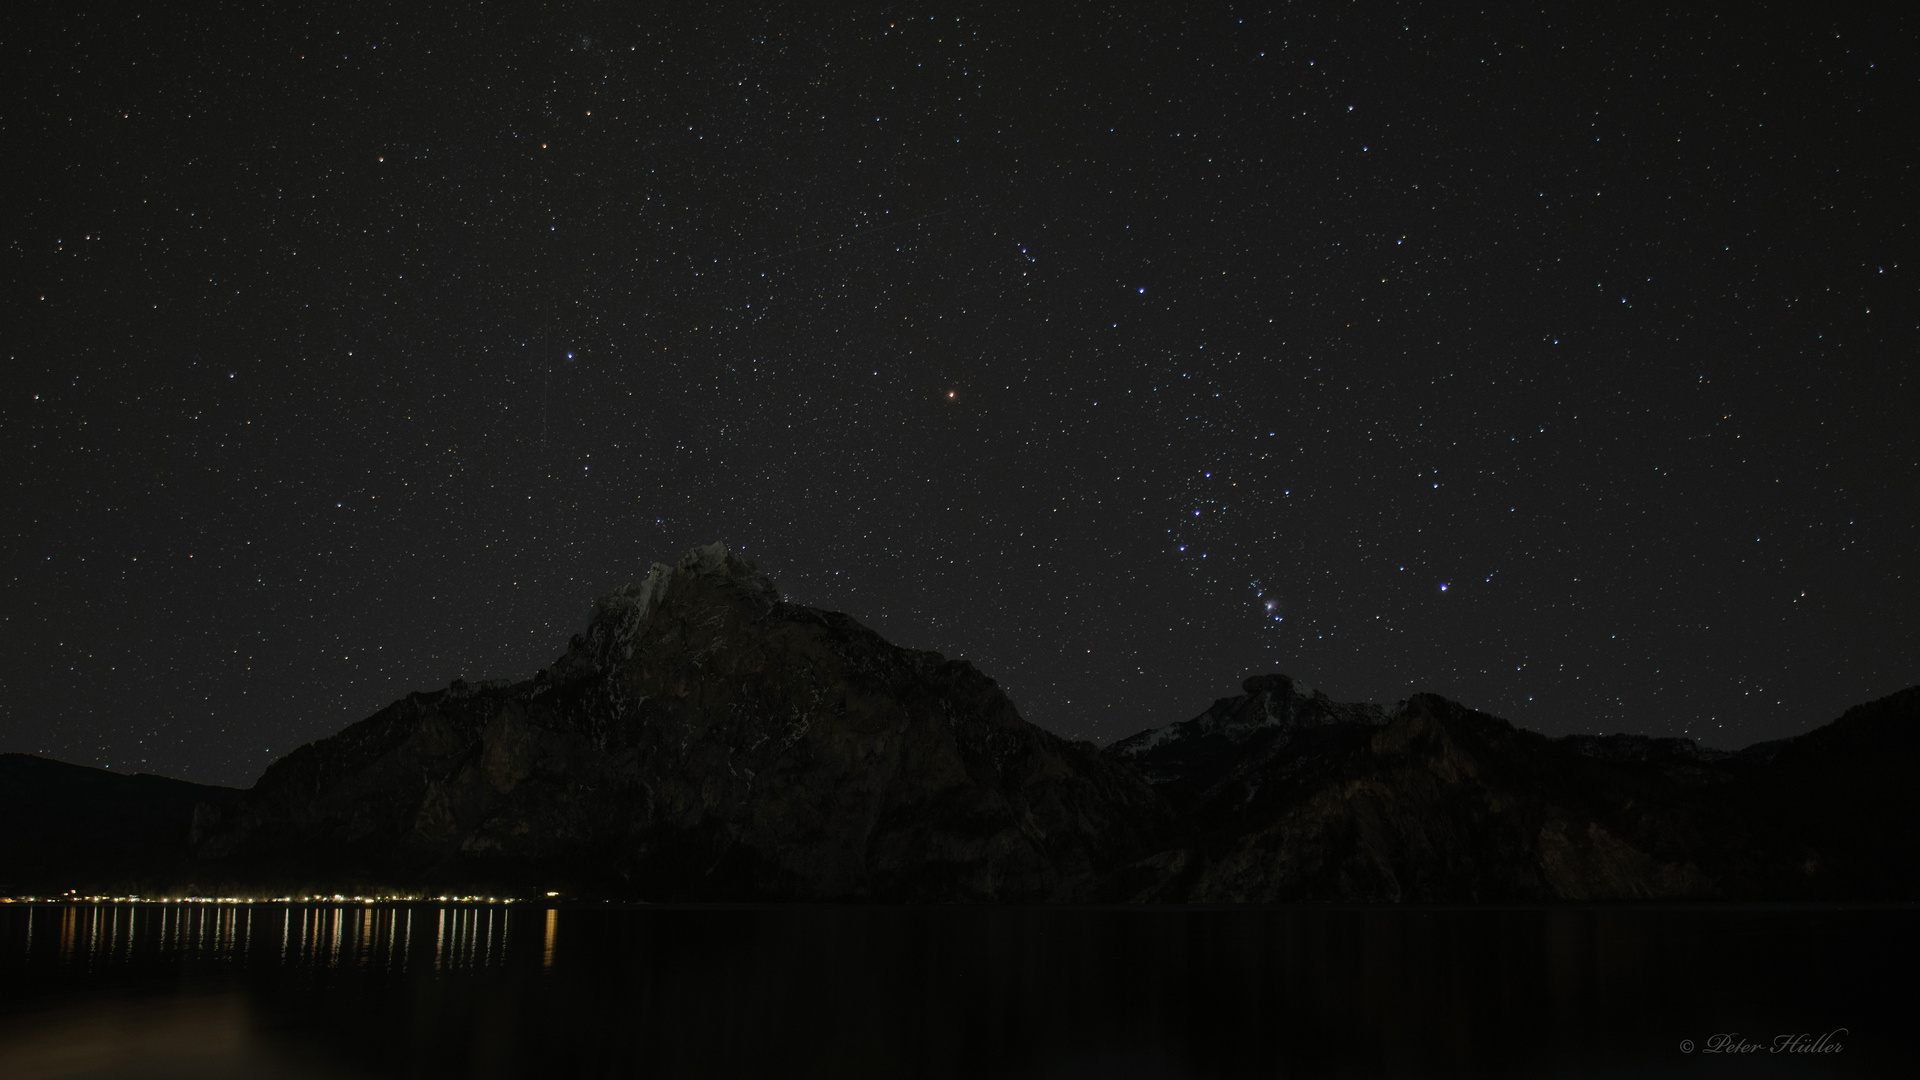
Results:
x,y
431,990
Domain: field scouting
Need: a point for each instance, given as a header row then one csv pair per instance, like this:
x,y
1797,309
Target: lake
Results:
x,y
348,989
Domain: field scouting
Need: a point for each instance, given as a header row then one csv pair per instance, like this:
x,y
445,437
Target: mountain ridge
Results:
x,y
703,739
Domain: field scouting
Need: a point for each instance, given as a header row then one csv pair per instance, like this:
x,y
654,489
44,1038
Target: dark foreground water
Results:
x,y
429,990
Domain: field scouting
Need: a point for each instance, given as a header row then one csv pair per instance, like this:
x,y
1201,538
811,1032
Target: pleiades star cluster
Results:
x,y
1557,360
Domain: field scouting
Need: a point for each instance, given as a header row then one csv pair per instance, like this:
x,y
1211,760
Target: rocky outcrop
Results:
x,y
702,739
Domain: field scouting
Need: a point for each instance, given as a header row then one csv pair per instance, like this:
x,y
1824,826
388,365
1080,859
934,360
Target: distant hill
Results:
x,y
704,740
73,827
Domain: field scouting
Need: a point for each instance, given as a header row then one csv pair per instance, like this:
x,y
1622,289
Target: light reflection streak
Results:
x,y
101,934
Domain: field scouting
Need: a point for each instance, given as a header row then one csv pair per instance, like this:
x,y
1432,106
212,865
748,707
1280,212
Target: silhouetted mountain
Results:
x,y
1288,796
1427,802
1245,754
704,740
72,827
1838,807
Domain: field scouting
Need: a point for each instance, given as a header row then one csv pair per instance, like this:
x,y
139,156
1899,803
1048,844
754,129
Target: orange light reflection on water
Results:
x,y
467,935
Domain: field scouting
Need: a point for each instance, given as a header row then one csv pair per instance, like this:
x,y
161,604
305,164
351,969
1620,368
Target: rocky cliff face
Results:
x,y
702,740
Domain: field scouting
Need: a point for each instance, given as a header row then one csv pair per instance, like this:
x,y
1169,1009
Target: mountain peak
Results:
x,y
623,615
1218,756
712,564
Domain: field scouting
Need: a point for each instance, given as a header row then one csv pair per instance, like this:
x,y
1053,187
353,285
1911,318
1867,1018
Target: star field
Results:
x,y
1560,363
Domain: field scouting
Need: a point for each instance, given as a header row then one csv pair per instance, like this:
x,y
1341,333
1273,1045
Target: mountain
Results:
x,y
1838,807
1287,796
702,740
72,827
1243,755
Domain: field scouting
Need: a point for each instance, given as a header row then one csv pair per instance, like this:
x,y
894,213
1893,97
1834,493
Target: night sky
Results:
x,y
1559,362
